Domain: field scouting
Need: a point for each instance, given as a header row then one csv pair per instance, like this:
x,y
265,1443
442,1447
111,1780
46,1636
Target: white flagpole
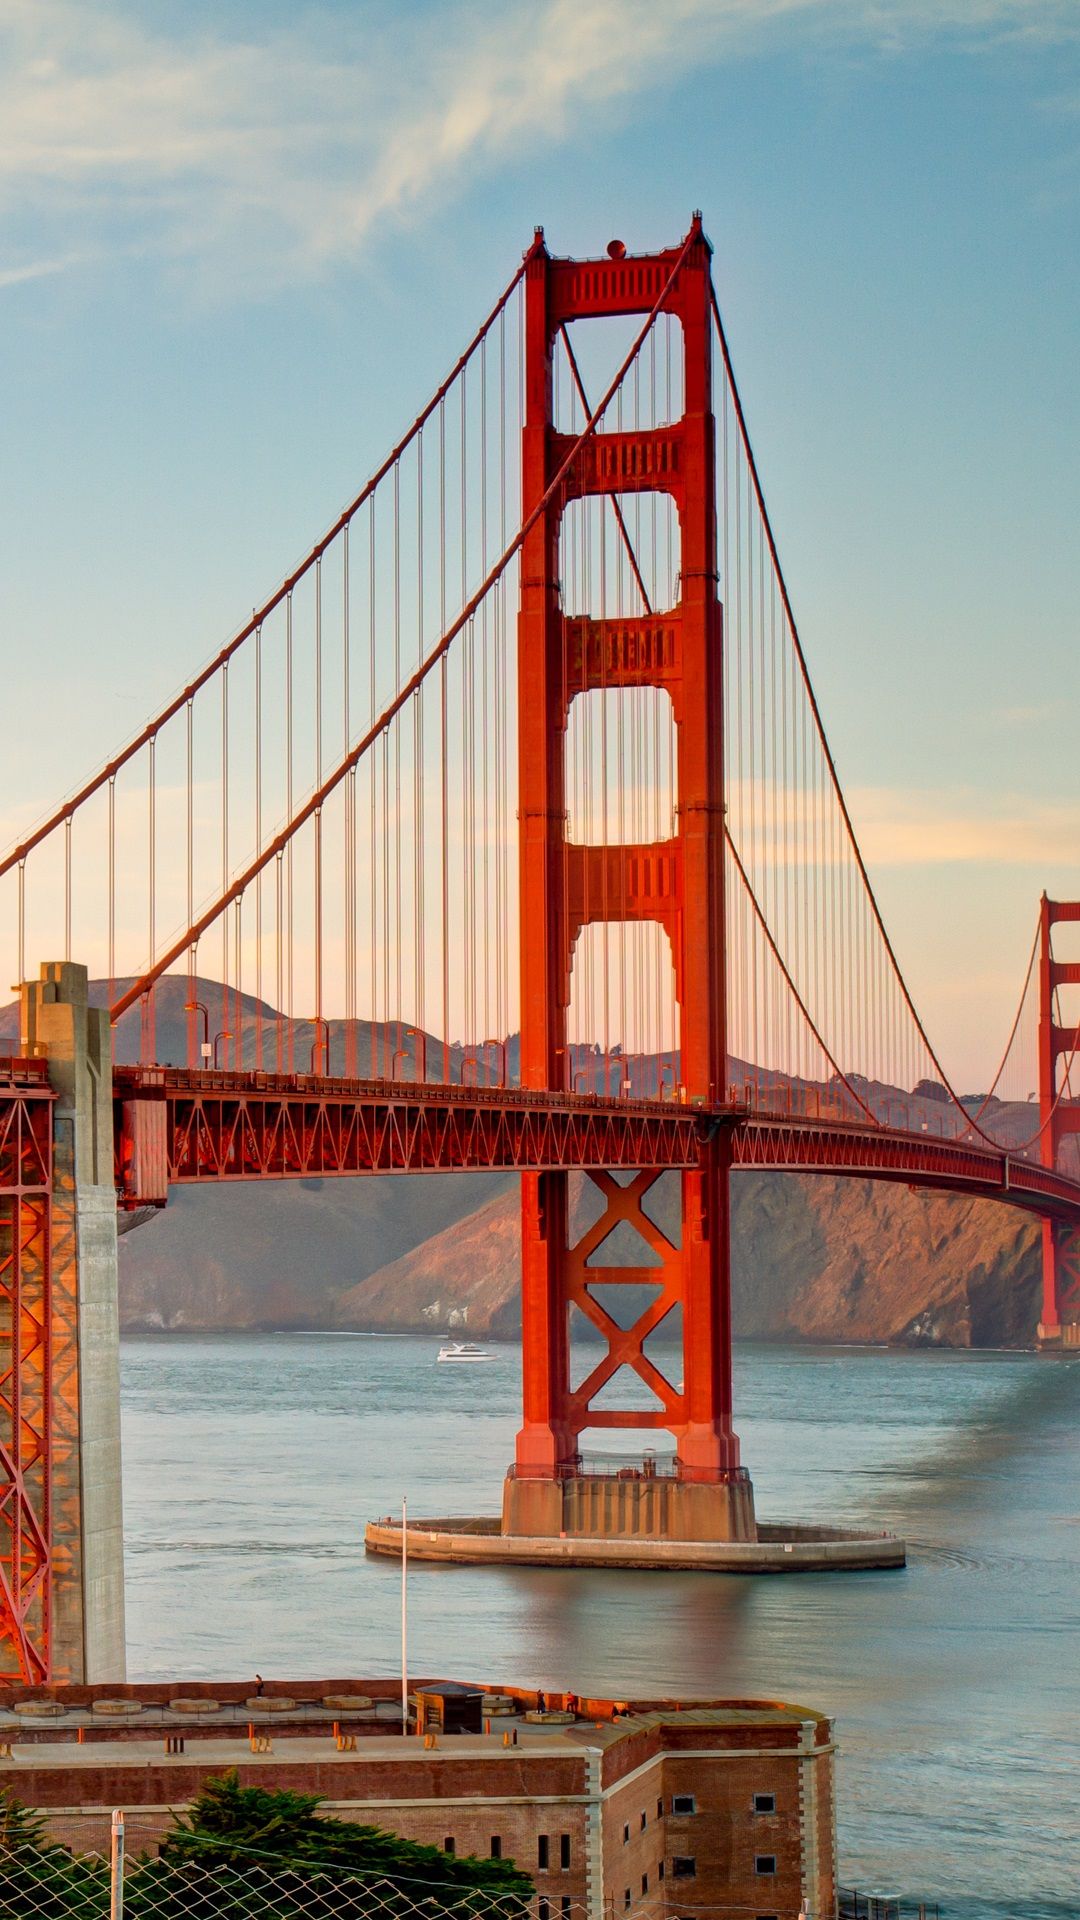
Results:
x,y
404,1615
116,1866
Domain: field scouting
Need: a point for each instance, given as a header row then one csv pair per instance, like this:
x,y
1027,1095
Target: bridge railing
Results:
x,y
638,1467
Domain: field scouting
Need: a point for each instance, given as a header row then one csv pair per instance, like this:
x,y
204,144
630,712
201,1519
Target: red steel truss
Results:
x,y
788,1144
181,1125
26,1408
1059,1115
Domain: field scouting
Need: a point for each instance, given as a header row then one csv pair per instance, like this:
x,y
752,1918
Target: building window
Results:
x,y
564,1852
683,1867
765,1863
659,1869
496,1846
625,1835
448,1843
626,1898
544,1910
644,1884
659,1809
566,1906
764,1803
683,1803
644,1821
542,1852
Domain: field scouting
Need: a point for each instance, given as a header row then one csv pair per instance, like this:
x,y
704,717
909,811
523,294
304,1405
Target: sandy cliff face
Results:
x,y
818,1259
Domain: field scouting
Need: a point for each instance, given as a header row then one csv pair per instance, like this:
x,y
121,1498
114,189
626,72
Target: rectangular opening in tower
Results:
x,y
623,1019
619,555
586,354
621,767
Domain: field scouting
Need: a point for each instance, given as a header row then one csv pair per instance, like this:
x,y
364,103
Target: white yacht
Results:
x,y
463,1352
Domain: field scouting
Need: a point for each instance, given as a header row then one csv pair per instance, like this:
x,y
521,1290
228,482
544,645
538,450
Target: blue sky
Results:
x,y
240,243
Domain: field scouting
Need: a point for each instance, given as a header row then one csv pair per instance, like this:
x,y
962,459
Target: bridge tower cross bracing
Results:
x,y
1059,1120
677,882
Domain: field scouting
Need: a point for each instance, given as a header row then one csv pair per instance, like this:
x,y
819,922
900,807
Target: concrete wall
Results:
x,y
88,1545
608,1506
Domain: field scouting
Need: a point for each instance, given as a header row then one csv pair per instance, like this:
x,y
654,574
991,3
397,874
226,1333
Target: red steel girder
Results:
x,y
246,1126
925,1160
26,1346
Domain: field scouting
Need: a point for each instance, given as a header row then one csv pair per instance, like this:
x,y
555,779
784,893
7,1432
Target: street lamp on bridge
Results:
x,y
418,1034
197,1006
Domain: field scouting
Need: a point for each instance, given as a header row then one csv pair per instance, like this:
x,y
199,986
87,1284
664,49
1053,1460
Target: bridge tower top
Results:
x,y
677,882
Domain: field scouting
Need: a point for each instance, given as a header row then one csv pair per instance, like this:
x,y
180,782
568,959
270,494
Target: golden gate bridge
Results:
x,y
509,827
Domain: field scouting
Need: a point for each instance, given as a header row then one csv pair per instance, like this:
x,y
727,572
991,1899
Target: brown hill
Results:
x,y
818,1259
271,1254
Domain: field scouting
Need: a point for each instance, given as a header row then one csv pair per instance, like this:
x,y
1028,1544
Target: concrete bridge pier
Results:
x,y
58,1025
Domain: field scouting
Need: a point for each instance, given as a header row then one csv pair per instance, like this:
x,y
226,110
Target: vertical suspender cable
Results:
x,y
443,743
22,917
288,903
189,833
149,1046
351,1063
225,851
419,1011
67,888
372,861
319,1062
258,843
112,893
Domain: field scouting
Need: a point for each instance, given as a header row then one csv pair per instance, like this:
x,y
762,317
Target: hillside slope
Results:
x,y
819,1259
816,1259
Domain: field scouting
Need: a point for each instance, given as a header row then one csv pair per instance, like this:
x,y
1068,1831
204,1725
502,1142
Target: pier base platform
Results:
x,y
777,1548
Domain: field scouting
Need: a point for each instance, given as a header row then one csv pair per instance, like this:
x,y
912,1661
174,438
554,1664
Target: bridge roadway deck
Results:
x,y
184,1126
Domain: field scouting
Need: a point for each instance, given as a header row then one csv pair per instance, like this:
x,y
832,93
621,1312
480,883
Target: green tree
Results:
x,y
254,1850
41,1879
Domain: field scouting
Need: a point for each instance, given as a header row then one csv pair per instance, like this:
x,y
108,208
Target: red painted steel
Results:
x,y
678,883
26,1405
789,1144
250,1126
1059,1117
180,1126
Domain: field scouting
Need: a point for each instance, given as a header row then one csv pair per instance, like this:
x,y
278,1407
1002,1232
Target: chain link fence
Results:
x,y
86,1867
66,1864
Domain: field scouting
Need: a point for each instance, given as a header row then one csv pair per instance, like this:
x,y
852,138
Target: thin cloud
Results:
x,y
282,152
900,827
33,270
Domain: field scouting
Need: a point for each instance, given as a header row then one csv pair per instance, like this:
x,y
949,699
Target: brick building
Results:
x,y
650,1808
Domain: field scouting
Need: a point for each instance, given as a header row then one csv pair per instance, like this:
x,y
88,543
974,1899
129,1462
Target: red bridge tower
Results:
x,y
677,882
1059,1116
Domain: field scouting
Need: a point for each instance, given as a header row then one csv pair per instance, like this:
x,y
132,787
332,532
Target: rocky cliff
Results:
x,y
816,1259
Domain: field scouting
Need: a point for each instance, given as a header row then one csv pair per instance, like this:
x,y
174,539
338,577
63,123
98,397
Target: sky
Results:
x,y
240,243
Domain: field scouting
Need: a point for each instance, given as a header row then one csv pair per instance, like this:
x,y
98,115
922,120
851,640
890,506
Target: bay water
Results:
x,y
252,1463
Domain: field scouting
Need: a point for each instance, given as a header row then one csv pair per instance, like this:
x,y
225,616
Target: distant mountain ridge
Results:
x,y
822,1258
